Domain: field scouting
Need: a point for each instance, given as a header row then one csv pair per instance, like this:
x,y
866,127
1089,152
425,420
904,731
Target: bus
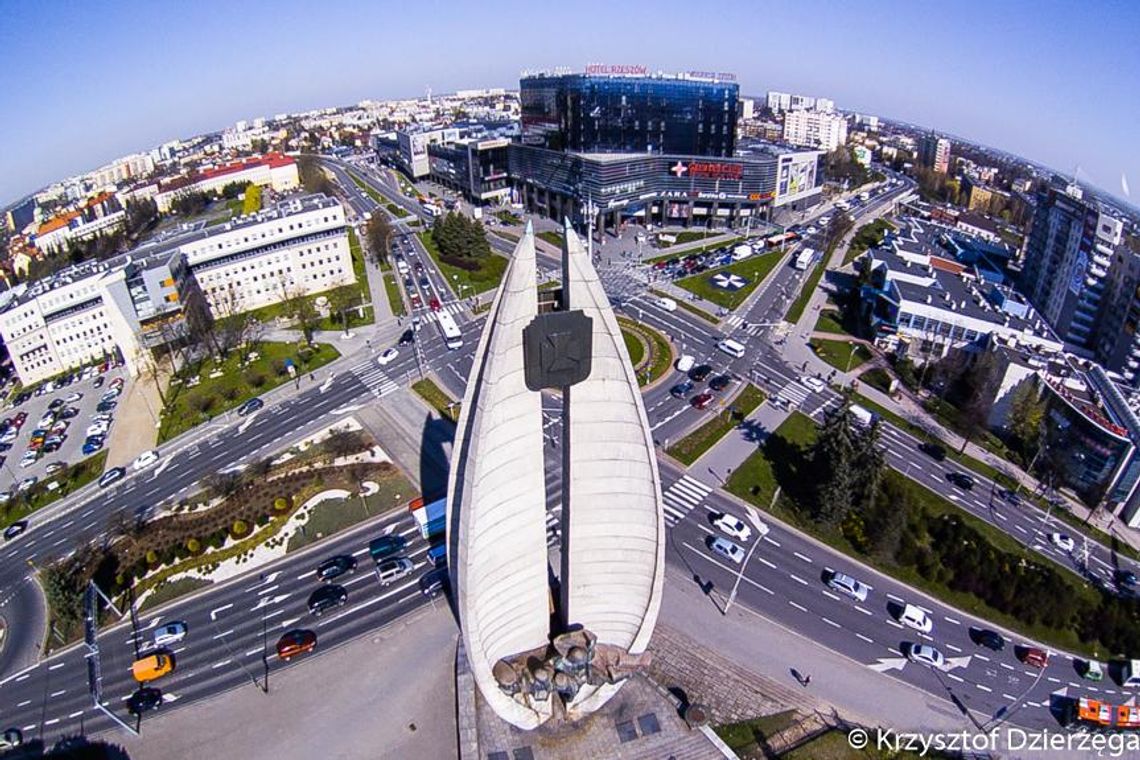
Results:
x,y
777,240
803,258
431,519
451,335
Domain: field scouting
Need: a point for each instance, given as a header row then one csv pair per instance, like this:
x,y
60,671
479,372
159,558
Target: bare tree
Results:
x,y
232,321
299,307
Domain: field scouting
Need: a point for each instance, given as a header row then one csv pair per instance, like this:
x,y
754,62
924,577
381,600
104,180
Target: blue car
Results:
x,y
680,390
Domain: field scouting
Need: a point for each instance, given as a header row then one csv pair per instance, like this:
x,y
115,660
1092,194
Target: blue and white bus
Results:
x,y
451,335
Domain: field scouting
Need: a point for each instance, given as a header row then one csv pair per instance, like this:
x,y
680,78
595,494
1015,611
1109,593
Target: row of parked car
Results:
x,y
699,374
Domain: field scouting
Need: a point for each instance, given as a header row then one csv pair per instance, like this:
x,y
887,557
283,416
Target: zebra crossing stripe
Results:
x,y
683,497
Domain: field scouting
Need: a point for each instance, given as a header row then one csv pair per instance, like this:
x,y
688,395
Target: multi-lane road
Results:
x,y
234,624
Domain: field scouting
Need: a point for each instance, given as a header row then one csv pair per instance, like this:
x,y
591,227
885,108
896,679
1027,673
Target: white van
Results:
x,y
668,304
914,617
685,363
731,347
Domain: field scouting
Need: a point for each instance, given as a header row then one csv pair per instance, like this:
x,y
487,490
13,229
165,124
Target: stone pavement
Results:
x,y
136,420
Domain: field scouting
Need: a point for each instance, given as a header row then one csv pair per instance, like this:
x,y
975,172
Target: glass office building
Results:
x,y
623,114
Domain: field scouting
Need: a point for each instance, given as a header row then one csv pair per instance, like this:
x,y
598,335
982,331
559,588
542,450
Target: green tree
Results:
x,y
833,459
1026,416
378,235
313,177
869,464
251,203
141,215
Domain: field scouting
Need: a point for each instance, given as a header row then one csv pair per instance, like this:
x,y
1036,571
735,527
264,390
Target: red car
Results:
x,y
18,420
434,303
1038,658
295,642
701,401
416,302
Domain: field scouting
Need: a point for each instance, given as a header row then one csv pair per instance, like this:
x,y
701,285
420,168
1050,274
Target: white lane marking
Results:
x,y
1054,680
22,678
221,664
763,561
800,556
830,595
863,610
864,638
983,688
956,678
894,598
57,666
769,540
798,579
59,693
25,703
223,634
51,722
980,657
799,607
830,622
951,620
951,646
1007,666
223,608
1010,697
75,714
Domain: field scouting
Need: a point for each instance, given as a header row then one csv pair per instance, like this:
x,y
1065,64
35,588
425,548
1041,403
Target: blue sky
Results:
x,y
81,83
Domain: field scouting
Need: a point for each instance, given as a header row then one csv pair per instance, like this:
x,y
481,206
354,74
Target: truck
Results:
x,y
803,259
431,519
862,417
864,196
1095,714
1130,674
741,252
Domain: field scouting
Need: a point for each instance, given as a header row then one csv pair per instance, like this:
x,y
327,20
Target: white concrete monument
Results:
x,y
534,656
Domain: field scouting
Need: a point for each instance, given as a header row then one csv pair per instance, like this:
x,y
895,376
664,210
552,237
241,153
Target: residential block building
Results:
x,y
815,129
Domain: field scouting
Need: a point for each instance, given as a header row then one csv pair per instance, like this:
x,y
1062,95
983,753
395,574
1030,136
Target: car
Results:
x,y
97,428
171,633
11,738
387,357
1062,541
106,406
925,655
72,398
69,413
812,230
111,395
932,450
112,475
1091,670
46,421
295,642
425,283
327,597
680,390
720,382
991,640
15,529
726,549
668,304
29,459
9,437
150,667
434,304
1010,496
117,383
409,282
19,420
813,383
5,497
685,363
98,381
250,406
55,404
700,373
915,617
961,479
737,528
334,567
26,484
1124,578
147,698
391,570
416,302
419,267
845,584
103,417
53,468
434,582
1034,656
91,445
702,400
145,459
386,546
408,338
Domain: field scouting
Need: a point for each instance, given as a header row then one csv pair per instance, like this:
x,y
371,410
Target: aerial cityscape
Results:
x,y
508,383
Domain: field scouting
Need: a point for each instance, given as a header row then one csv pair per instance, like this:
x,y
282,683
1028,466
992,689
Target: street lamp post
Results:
x,y
753,518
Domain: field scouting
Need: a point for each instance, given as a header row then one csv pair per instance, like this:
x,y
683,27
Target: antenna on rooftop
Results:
x,y
429,94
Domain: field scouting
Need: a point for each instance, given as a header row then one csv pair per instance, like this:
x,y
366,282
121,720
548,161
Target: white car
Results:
x,y
99,428
668,304
10,436
739,529
171,633
685,363
145,459
47,420
26,483
727,549
1062,541
387,357
73,398
814,383
845,584
812,230
29,459
927,655
916,618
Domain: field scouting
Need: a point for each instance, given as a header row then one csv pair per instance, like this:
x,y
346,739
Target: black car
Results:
x,y
1010,496
327,597
700,373
98,381
145,699
419,267
111,476
434,582
680,390
988,639
15,529
69,412
334,567
425,283
720,382
962,480
1124,578
409,282
408,338
21,398
932,450
250,406
106,406
55,404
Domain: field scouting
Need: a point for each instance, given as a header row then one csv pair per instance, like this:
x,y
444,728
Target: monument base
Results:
x,y
641,721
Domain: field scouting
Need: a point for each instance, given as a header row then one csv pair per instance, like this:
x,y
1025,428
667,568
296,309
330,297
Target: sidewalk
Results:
x,y
136,429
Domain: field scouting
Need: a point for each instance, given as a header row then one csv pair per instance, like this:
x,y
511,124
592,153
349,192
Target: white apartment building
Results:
x,y
815,130
271,170
90,311
825,105
778,102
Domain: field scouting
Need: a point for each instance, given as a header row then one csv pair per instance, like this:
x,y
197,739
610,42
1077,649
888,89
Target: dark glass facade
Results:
x,y
618,114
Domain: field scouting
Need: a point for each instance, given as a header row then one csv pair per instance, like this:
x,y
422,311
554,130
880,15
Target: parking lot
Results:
x,y
78,414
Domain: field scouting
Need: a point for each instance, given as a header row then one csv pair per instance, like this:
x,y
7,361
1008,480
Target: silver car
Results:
x,y
845,584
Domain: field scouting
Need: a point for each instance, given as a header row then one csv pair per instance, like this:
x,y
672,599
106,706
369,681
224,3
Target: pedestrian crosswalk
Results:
x,y
683,497
733,321
375,379
427,315
553,525
793,393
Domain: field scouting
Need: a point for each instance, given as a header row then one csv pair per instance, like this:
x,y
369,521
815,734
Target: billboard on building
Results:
x,y
797,176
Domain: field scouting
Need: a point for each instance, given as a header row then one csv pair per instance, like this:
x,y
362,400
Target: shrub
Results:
x,y
239,528
152,557
280,504
194,546
201,402
254,378
279,367
230,392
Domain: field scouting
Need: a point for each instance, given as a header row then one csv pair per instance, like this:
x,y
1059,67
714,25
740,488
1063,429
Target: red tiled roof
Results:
x,y
57,222
272,160
946,265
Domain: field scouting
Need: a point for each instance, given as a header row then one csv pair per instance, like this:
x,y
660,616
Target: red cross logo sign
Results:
x,y
679,169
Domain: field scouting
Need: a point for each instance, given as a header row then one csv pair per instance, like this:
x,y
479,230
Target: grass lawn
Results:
x,y
335,515
437,399
755,269
689,251
689,236
353,315
395,297
187,407
693,446
171,590
796,310
485,306
487,277
367,189
69,480
661,355
744,737
635,347
396,211
840,354
506,217
755,481
554,238
877,378
829,322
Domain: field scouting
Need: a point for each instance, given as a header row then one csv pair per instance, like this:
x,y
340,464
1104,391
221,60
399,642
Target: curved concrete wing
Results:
x,y
496,519
613,526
